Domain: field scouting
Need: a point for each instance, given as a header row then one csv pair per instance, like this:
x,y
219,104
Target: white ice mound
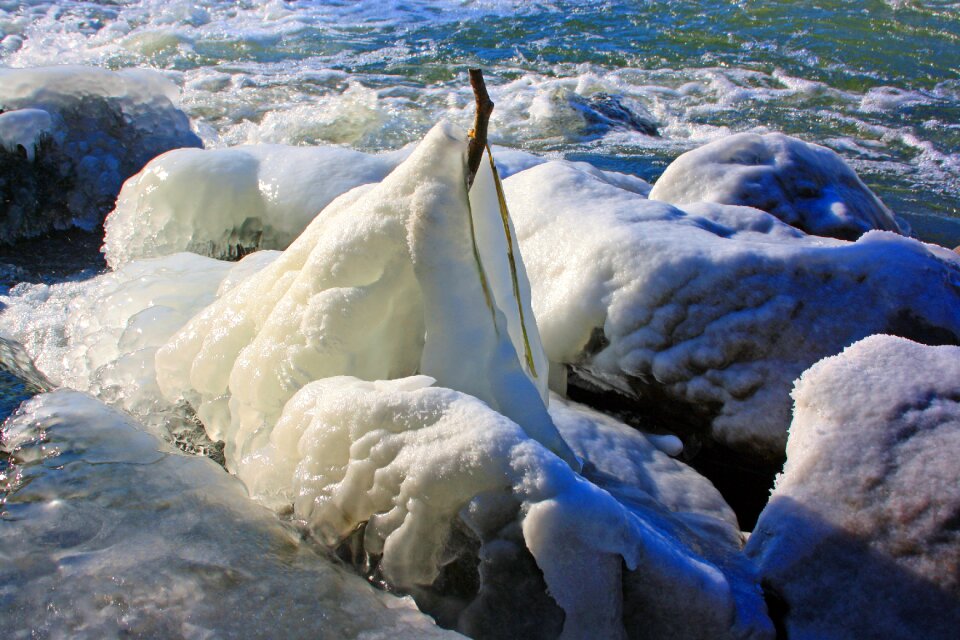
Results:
x,y
803,184
225,202
861,538
108,532
221,202
70,136
706,316
408,276
432,485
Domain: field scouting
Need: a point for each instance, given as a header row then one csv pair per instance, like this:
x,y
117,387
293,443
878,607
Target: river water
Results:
x,y
876,81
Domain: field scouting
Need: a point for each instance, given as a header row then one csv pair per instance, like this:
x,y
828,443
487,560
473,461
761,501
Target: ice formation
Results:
x,y
101,335
706,315
803,184
220,202
408,465
861,537
224,202
406,276
70,136
459,499
109,532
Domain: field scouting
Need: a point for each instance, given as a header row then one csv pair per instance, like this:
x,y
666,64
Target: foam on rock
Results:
x,y
861,537
70,136
803,184
108,532
705,316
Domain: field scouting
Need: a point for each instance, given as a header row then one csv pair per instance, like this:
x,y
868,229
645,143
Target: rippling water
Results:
x,y
876,81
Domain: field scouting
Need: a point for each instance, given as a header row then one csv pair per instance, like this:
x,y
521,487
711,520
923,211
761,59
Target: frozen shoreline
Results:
x,y
380,375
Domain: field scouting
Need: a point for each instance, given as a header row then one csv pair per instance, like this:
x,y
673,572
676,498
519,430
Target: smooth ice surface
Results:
x,y
99,128
391,280
218,201
108,532
861,537
803,184
706,315
412,460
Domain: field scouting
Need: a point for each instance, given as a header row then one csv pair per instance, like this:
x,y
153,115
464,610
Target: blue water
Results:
x,y
876,81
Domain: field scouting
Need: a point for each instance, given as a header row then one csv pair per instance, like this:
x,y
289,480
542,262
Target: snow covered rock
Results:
x,y
453,502
705,316
861,537
70,136
805,185
222,202
410,275
108,532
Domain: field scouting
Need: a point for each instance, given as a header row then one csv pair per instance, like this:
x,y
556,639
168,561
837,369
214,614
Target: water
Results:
x,y
876,81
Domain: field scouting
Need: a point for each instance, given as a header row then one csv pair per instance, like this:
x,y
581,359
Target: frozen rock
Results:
x,y
224,202
704,317
861,538
108,532
70,136
406,276
449,500
803,184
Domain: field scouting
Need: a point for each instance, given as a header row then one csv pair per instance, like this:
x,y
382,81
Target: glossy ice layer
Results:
x,y
221,202
107,531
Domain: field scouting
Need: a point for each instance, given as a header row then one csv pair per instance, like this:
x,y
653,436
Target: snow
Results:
x,y
803,184
109,532
706,314
103,127
217,201
861,535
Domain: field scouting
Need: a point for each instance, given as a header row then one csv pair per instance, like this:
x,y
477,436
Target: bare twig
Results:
x,y
478,135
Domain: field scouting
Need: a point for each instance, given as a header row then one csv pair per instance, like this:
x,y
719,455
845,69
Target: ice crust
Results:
x,y
225,202
861,536
805,185
413,461
220,202
433,477
101,335
706,314
70,136
393,279
109,532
